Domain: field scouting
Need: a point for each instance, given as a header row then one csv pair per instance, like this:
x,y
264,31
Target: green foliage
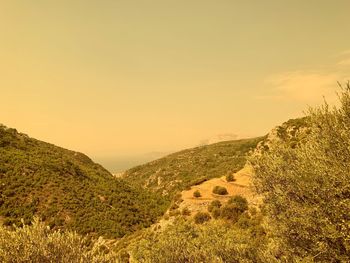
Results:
x,y
212,242
230,177
201,217
220,190
230,212
307,188
68,191
180,171
197,194
240,202
215,212
37,243
214,204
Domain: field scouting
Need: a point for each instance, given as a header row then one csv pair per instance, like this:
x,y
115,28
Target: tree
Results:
x,y
307,188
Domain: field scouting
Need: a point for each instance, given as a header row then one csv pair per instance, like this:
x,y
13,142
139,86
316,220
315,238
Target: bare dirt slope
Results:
x,y
241,186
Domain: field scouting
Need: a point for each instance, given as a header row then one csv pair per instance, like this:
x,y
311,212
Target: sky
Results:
x,y
126,80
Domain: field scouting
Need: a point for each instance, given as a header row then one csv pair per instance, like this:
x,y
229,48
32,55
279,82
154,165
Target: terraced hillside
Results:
x,y
184,169
68,190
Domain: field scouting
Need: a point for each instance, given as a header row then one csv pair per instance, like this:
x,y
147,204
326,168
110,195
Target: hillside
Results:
x,y
186,168
291,132
68,190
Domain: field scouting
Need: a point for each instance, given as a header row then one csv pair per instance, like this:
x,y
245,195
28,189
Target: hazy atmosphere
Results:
x,y
179,131
128,81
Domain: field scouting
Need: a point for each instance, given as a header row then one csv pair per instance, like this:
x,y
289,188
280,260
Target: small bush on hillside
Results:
x,y
216,212
230,178
37,243
197,194
214,204
240,202
201,217
230,212
220,190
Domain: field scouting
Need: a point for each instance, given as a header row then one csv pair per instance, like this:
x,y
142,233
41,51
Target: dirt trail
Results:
x,y
242,186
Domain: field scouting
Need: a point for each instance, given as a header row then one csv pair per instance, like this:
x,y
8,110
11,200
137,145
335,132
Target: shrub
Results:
x,y
240,202
230,178
214,204
213,242
220,190
201,217
230,212
306,188
197,194
216,212
37,243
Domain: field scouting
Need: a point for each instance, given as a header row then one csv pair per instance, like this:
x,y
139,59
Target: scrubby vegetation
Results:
x,y
220,190
211,242
67,190
230,177
307,188
303,175
232,210
214,204
181,170
37,243
197,194
201,217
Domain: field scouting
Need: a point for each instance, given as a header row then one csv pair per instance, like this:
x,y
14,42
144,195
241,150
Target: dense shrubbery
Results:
x,y
231,211
212,242
37,243
181,170
220,190
67,190
307,188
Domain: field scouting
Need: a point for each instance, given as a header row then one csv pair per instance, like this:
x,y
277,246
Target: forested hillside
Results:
x,y
68,190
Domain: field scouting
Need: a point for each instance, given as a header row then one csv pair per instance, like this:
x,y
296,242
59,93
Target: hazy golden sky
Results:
x,y
123,78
